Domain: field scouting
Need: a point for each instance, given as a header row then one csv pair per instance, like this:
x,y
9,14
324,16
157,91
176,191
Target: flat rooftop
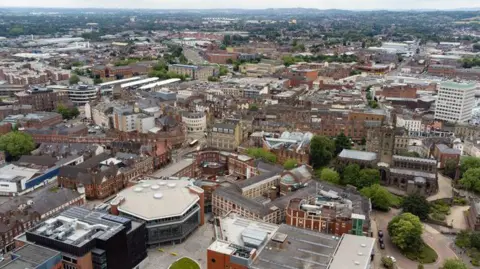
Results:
x,y
174,168
353,252
234,227
293,248
157,199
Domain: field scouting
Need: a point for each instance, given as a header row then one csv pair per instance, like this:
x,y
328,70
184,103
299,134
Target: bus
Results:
x,y
193,143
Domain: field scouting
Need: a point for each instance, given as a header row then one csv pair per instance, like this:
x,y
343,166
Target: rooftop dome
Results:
x,y
287,179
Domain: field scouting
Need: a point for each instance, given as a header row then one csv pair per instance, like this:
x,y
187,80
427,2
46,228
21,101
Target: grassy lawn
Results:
x,y
425,256
184,263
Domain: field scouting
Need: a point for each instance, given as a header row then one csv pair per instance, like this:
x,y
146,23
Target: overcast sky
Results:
x,y
250,4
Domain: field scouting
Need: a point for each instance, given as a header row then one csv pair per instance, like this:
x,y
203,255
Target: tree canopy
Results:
x,y
16,144
351,174
405,232
367,178
342,142
330,175
381,198
67,113
74,79
322,151
454,264
417,205
290,164
469,163
450,168
471,179
259,153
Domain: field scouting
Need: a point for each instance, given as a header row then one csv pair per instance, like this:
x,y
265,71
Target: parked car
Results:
x,y
380,240
382,246
380,233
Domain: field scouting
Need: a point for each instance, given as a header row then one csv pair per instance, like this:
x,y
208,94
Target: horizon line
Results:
x,y
232,8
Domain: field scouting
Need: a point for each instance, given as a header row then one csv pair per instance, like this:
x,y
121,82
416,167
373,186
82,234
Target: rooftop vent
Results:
x,y
172,185
145,185
162,183
155,187
158,195
138,189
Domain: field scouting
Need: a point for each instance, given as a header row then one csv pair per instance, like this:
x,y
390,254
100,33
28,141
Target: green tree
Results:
x,y
405,232
409,154
450,168
476,47
260,153
342,142
467,163
471,179
97,81
475,240
330,175
74,79
223,70
16,144
290,164
388,263
350,174
454,264
367,178
67,113
381,198
253,107
364,141
322,151
417,205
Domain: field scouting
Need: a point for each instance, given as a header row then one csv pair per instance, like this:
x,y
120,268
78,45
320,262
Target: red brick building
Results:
x,y
105,72
221,57
102,176
299,77
42,99
442,153
398,91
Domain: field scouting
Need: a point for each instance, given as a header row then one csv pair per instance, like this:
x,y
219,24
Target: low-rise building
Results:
x,y
442,153
225,136
170,209
195,122
103,175
91,239
19,215
42,99
192,71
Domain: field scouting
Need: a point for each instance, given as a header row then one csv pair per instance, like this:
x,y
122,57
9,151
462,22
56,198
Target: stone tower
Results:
x,y
387,144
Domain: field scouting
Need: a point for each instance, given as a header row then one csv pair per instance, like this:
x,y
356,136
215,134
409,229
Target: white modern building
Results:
x,y
171,209
455,101
195,121
413,126
82,94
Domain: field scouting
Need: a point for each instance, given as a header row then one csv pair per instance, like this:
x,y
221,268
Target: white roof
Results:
x,y
353,252
138,82
9,172
118,81
160,83
158,199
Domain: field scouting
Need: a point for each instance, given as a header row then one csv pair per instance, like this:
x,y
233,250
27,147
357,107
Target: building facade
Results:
x,y
195,121
170,209
455,102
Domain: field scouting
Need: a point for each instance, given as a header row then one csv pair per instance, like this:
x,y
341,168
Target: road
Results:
x,y
432,237
445,189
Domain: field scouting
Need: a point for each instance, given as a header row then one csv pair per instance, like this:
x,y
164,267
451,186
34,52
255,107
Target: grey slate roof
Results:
x,y
358,155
